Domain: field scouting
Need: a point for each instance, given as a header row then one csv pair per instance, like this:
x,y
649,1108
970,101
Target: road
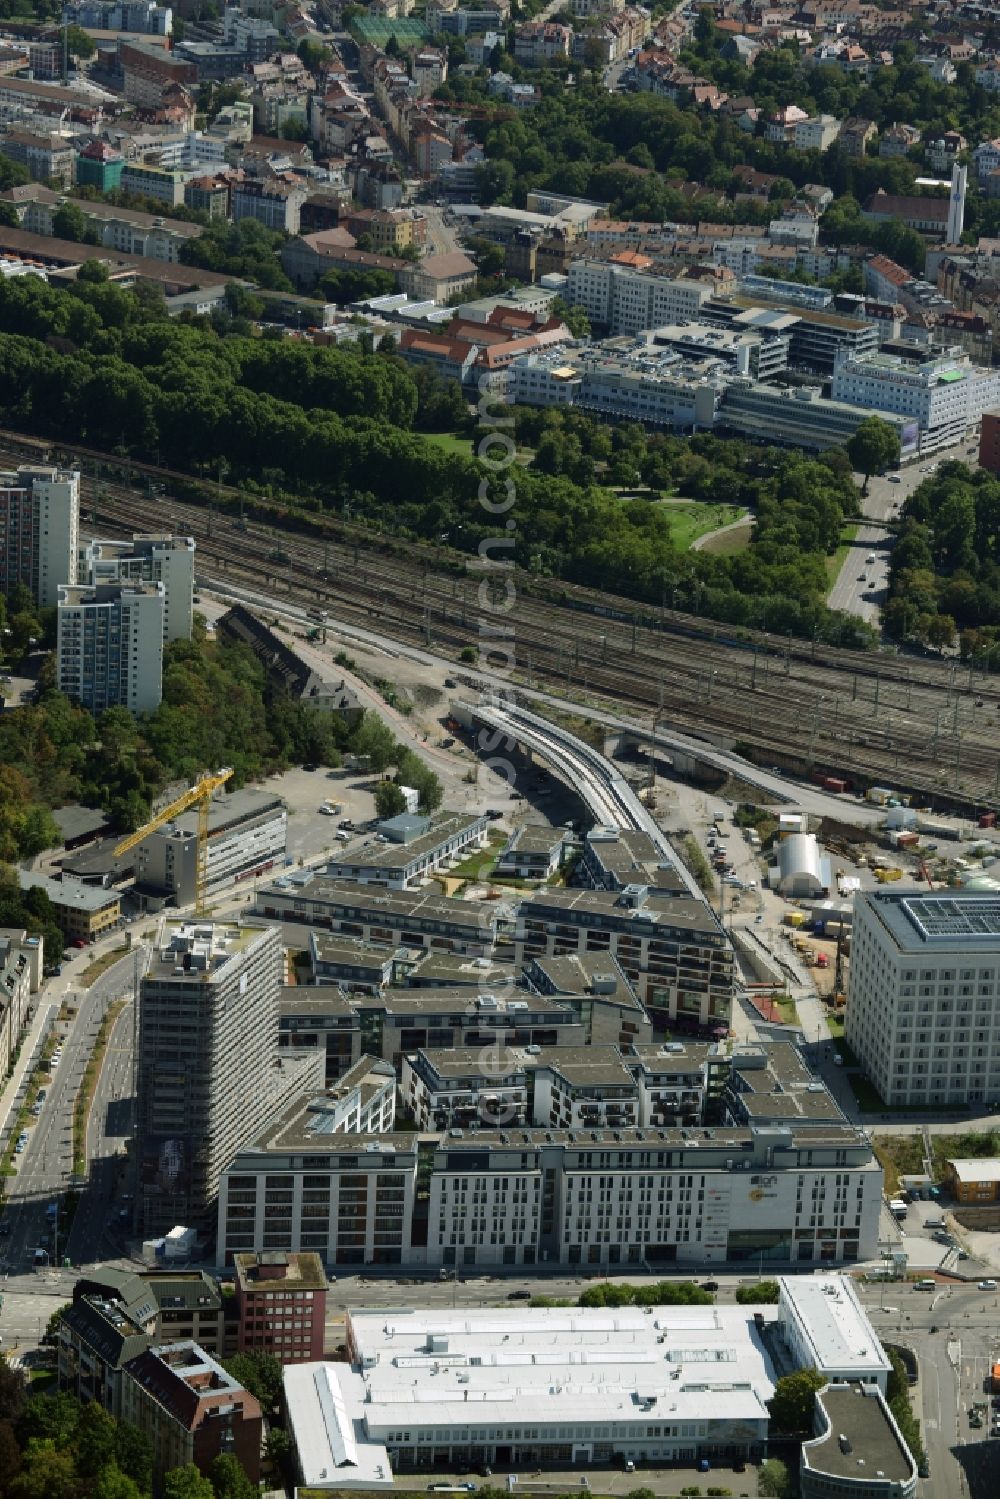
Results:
x,y
861,587
44,1168
441,237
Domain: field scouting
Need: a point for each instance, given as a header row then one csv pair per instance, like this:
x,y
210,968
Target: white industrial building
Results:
x,y
560,1387
247,835
110,645
148,559
923,1016
534,1388
39,526
944,393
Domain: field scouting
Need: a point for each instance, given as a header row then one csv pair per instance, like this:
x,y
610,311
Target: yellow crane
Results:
x,y
200,793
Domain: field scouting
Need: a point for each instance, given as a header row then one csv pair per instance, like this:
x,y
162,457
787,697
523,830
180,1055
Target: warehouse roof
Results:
x,y
986,1170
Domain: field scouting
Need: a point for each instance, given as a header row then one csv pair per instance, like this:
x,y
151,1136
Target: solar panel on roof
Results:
x,y
948,916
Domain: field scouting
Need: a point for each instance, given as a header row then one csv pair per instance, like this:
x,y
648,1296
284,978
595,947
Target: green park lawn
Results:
x,y
689,519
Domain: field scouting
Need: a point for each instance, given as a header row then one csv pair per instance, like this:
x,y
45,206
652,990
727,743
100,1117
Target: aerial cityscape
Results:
x,y
499,749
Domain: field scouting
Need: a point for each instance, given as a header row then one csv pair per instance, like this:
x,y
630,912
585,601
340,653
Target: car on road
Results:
x,y
518,1295
710,1285
987,1285
894,479
327,810
78,942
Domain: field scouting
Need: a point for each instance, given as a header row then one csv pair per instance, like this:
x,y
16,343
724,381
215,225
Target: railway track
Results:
x,y
873,717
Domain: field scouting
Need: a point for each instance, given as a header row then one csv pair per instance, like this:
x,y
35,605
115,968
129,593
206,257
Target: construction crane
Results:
x,y
201,793
926,873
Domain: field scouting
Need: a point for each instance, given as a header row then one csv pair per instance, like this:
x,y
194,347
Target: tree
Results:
x,y
764,1293
873,448
186,1483
389,799
260,1373
774,1481
228,1479
12,1391
79,43
792,1403
8,216
134,1454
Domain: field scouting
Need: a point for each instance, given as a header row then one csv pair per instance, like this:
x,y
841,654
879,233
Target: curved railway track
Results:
x,y
874,717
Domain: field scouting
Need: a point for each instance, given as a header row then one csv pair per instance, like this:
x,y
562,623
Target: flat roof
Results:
x,y
654,909
399,855
73,894
834,1323
597,975
586,1066
374,901
862,1441
959,920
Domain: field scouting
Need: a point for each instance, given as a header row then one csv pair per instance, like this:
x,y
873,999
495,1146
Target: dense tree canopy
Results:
x,y
945,568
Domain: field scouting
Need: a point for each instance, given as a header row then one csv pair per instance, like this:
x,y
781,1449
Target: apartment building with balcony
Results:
x,y
109,650
157,558
672,948
39,530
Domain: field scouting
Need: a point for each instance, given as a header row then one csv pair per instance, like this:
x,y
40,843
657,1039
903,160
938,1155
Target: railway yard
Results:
x,y
930,726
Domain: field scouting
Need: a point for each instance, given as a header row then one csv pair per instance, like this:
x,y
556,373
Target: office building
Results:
x,y
39,527
858,1451
117,1314
816,336
802,418
624,297
672,948
281,1305
550,1388
82,911
825,1327
148,559
109,651
942,391
801,1193
247,832
923,1013
191,1410
208,1072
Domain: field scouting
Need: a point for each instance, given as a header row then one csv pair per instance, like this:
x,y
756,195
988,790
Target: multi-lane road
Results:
x,y
861,586
44,1168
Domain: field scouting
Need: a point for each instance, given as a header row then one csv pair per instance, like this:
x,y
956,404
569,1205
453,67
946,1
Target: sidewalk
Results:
x,y
45,1010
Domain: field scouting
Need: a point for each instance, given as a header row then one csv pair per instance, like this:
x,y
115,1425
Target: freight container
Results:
x,y
880,795
834,783
795,918
987,819
995,1379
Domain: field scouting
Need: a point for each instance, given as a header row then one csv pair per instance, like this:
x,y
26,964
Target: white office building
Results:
x,y
923,1013
247,833
148,559
430,1390
39,528
803,1194
110,645
944,393
825,1327
626,300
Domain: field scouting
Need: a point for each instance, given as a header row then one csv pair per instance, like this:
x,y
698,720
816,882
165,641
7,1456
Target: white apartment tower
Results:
x,y
39,527
110,645
923,1011
956,205
208,1074
148,559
